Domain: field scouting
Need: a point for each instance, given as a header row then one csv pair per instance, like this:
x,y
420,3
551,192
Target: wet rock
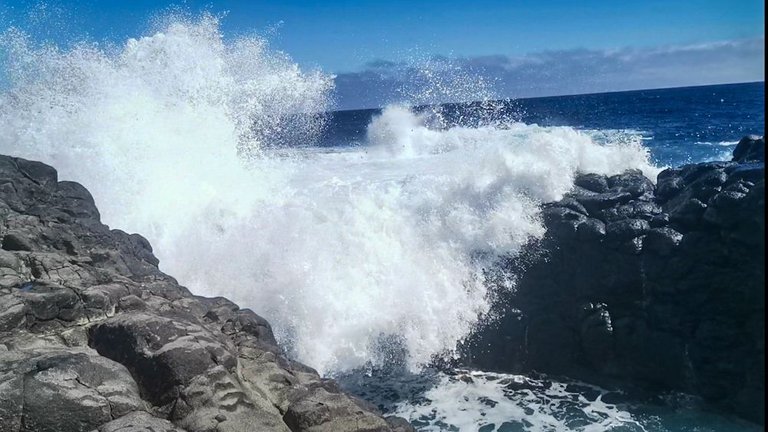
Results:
x,y
592,182
693,172
546,356
15,241
626,229
661,241
563,221
669,184
399,424
753,172
38,172
94,337
81,203
635,209
688,213
655,288
139,421
162,354
322,411
632,182
64,390
598,201
596,334
46,301
591,229
750,149
572,204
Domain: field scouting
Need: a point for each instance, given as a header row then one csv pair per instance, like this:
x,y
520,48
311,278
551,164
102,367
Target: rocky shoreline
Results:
x,y
93,337
659,287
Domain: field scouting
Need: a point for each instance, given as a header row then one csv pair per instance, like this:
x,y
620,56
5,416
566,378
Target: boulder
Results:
x,y
750,149
58,390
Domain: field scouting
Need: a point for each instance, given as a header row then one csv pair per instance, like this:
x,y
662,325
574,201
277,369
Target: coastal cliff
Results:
x,y
655,286
94,337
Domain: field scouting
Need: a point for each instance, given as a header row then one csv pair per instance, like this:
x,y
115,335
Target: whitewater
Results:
x,y
203,144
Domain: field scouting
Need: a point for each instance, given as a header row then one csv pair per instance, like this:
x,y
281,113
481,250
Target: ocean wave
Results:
x,y
717,143
200,144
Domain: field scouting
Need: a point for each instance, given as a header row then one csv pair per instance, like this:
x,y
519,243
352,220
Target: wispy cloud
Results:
x,y
556,72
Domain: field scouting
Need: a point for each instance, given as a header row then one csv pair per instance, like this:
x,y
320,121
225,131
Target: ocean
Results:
x,y
678,125
360,235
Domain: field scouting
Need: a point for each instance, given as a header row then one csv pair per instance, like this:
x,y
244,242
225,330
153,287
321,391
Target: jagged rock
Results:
x,y
572,204
592,182
750,149
163,354
636,209
63,390
563,220
632,182
596,333
591,229
93,337
321,411
399,424
139,421
751,173
661,241
668,184
670,279
626,229
687,213
594,202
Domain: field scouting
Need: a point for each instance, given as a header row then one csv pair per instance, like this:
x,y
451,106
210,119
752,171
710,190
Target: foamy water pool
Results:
x,y
471,400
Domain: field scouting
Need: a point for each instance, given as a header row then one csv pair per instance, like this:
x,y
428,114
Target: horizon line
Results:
x,y
559,95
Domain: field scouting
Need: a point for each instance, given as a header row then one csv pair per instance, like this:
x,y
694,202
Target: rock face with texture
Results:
x,y
93,337
659,286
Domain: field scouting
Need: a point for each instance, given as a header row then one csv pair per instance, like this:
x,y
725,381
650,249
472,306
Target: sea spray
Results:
x,y
202,145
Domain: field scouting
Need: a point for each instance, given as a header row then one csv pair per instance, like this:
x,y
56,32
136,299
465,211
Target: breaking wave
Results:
x,y
203,145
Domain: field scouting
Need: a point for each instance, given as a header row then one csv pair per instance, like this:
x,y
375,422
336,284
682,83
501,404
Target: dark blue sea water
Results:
x,y
678,125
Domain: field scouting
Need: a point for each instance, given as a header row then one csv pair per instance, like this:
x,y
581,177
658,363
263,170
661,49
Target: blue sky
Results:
x,y
348,37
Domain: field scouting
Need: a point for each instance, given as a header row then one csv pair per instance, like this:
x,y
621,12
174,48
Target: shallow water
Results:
x,y
466,400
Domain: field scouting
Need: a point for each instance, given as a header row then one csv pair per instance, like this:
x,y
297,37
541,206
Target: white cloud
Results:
x,y
566,72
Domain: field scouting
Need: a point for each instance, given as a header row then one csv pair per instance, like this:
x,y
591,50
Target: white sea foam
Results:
x,y
469,401
489,402
181,136
717,143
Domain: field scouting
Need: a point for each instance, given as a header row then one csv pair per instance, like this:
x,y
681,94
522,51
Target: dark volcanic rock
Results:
x,y
659,287
632,182
750,149
93,337
592,182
